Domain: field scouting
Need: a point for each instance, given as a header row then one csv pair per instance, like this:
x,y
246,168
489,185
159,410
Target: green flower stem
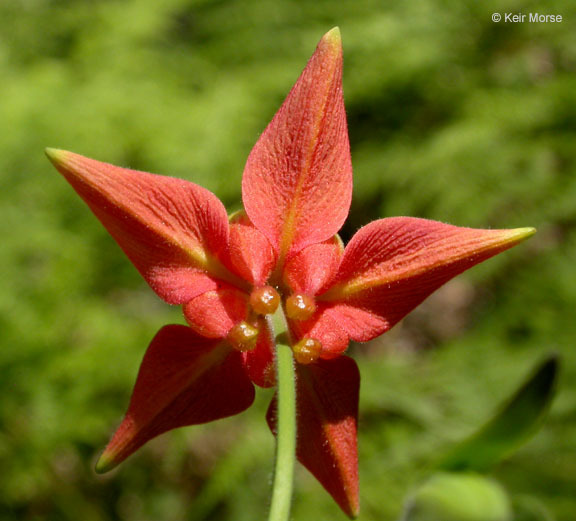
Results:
x,y
286,422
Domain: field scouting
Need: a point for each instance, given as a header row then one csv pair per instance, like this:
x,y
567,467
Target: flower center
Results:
x,y
307,350
243,336
300,307
264,300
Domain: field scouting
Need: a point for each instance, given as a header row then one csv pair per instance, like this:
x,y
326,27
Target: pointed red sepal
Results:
x,y
327,394
311,270
250,254
214,313
184,379
391,265
172,230
297,183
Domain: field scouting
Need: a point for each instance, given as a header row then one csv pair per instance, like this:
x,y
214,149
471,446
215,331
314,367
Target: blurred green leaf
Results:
x,y
527,508
516,422
459,497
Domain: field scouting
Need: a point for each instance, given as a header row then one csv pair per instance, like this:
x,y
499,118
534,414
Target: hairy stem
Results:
x,y
286,422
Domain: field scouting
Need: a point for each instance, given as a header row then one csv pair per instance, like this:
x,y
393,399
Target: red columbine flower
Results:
x,y
230,274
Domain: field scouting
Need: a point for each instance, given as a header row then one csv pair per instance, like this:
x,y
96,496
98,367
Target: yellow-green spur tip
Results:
x,y
55,155
520,234
333,36
104,464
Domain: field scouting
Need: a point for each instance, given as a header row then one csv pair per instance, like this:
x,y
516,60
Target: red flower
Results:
x,y
230,274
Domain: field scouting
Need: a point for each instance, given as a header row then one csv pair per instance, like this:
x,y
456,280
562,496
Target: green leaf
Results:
x,y
518,419
459,496
528,508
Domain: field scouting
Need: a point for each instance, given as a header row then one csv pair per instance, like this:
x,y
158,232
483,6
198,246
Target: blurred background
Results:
x,y
452,117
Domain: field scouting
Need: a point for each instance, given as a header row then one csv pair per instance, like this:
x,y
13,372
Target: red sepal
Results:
x,y
184,379
250,254
324,328
260,361
391,265
312,269
359,324
172,230
297,182
214,313
327,404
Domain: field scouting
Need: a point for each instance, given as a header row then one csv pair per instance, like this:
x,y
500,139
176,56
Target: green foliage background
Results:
x,y
452,117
